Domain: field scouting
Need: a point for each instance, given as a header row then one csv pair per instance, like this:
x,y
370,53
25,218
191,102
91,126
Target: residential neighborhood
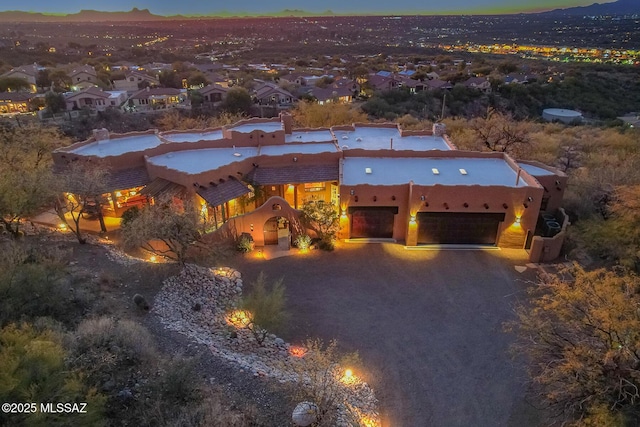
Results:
x,y
320,215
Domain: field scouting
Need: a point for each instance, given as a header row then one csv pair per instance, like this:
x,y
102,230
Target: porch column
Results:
x,y
412,225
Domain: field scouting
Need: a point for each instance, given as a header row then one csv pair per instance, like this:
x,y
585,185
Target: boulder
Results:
x,y
305,414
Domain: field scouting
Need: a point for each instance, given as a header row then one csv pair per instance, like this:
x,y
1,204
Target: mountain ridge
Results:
x,y
619,7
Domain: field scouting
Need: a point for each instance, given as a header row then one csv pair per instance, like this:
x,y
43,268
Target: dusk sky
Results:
x,y
199,7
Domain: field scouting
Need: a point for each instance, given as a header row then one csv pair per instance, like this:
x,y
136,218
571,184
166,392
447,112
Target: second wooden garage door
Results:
x,y
372,222
458,228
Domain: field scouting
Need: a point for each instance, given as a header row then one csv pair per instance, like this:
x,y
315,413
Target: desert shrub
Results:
x,y
318,376
582,341
303,241
34,370
103,346
34,283
265,307
326,244
106,277
179,382
213,410
120,358
245,243
129,215
322,218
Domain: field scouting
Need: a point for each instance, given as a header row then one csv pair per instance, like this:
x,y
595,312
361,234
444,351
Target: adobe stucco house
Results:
x,y
387,183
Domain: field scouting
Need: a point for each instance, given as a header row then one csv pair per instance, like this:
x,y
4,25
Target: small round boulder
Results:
x,y
305,414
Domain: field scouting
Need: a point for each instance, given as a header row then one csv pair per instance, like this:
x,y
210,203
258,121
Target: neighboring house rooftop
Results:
x,y
93,91
31,70
15,96
83,69
157,91
475,81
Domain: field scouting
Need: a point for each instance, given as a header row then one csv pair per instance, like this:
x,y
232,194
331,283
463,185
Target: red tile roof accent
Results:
x,y
218,194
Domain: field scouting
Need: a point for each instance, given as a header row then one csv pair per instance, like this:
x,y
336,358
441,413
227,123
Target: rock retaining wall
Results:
x,y
195,303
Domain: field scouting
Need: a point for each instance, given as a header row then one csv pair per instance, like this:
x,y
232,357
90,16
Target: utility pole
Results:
x,y
444,99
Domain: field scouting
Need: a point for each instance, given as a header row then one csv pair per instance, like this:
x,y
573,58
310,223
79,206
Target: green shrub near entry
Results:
x,y
303,241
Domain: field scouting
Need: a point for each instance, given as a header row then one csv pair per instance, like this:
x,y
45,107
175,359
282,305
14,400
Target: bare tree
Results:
x,y
83,183
499,132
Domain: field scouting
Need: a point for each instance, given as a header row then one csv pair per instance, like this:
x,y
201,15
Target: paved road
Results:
x,y
427,325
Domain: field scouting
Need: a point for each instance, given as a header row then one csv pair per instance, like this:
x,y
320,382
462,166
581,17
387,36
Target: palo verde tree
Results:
x,y
265,308
583,340
26,178
166,229
323,218
83,183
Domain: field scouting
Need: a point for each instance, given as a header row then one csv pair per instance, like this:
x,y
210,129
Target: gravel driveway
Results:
x,y
427,325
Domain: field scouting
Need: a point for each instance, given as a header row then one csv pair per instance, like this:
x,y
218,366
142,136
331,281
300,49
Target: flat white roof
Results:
x,y
202,160
265,127
429,171
535,170
375,138
308,148
310,136
118,146
562,112
194,136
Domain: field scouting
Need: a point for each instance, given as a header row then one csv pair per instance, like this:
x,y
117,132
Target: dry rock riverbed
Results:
x,y
197,303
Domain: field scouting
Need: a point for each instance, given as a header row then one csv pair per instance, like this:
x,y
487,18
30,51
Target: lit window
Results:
x,y
314,186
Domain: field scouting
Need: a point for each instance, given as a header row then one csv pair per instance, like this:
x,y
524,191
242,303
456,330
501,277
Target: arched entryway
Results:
x,y
277,231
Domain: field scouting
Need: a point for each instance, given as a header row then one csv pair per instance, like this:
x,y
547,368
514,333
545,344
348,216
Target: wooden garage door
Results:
x,y
372,222
458,228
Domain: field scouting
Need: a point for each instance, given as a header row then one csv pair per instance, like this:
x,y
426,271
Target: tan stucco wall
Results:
x,y
253,222
475,196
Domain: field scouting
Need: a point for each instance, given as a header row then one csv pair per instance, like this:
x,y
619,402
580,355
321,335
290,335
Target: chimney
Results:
x,y
148,89
439,129
287,122
100,134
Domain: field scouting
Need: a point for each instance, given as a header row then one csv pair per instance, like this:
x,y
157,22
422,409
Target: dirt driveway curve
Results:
x,y
427,325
